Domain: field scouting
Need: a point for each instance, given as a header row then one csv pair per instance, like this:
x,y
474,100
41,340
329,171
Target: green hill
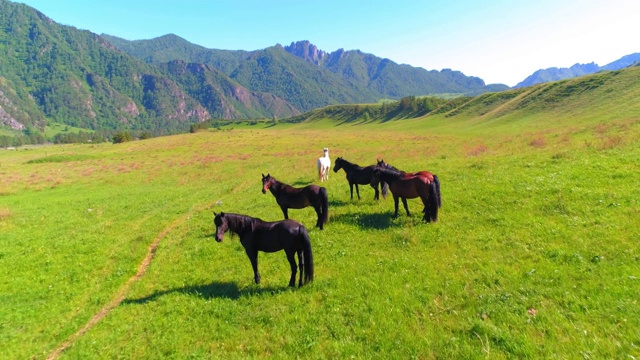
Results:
x,y
609,95
75,77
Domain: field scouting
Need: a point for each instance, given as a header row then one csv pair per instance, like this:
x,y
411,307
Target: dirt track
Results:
x,y
120,295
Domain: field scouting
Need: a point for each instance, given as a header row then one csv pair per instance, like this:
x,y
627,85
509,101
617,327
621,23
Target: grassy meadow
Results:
x,y
535,254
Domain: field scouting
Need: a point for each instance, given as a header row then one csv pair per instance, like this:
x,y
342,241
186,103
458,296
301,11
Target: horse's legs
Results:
x,y
300,266
427,209
285,212
253,257
395,203
376,195
351,189
357,191
404,202
294,269
318,209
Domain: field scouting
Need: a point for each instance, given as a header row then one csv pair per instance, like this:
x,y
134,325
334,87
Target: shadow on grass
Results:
x,y
336,203
377,221
214,290
301,183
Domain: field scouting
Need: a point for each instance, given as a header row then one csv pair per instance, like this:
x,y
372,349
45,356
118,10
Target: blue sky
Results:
x,y
499,41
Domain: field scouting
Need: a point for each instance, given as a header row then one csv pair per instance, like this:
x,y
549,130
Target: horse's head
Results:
x,y
220,221
267,181
381,162
376,172
338,164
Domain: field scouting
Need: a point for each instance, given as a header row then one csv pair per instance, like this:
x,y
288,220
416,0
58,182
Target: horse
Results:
x,y
357,174
427,174
257,235
289,197
324,164
405,186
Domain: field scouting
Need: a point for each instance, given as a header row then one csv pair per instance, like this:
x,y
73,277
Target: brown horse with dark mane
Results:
x,y
289,197
257,235
406,186
426,174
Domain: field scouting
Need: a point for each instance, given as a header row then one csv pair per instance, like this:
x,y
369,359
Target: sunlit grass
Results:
x,y
534,254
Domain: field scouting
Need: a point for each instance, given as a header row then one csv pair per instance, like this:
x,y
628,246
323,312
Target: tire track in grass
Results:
x,y
120,295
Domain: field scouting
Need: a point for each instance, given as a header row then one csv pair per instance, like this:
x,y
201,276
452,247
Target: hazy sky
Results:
x,y
499,41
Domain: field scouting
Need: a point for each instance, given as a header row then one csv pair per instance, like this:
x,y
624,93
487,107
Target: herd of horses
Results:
x,y
292,237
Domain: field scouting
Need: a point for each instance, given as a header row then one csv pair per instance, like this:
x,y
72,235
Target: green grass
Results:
x,y
535,254
54,129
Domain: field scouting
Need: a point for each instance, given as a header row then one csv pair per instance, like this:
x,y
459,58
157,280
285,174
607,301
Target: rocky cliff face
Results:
x,y
5,118
306,51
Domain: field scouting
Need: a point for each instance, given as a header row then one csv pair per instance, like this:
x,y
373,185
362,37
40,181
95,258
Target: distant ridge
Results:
x,y
554,73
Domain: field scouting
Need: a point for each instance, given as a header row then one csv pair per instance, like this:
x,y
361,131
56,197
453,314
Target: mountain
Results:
x,y
51,72
222,97
75,77
623,62
309,77
554,73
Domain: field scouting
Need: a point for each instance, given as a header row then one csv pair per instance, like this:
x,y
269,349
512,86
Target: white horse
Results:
x,y
324,165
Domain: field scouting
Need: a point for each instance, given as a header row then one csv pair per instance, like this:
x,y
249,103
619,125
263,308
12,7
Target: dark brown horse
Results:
x,y
289,197
257,235
405,186
357,174
429,176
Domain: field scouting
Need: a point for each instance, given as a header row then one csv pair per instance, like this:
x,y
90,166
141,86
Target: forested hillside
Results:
x,y
59,74
309,77
77,78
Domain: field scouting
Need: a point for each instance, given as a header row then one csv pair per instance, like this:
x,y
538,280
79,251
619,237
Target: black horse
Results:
x,y
409,186
427,174
357,174
289,197
257,235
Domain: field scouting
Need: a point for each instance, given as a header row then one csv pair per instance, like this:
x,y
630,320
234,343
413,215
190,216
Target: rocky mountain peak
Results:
x,y
307,51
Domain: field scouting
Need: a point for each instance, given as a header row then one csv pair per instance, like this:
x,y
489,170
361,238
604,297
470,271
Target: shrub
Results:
x,y
122,136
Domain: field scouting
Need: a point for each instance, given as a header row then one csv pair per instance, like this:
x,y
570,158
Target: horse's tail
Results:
x,y
434,200
385,189
307,255
437,181
324,200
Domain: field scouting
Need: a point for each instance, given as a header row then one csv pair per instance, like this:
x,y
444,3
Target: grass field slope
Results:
x,y
107,250
608,95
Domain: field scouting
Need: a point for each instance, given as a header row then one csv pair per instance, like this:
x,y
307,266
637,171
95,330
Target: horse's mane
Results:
x,y
239,223
388,166
348,163
279,184
390,171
